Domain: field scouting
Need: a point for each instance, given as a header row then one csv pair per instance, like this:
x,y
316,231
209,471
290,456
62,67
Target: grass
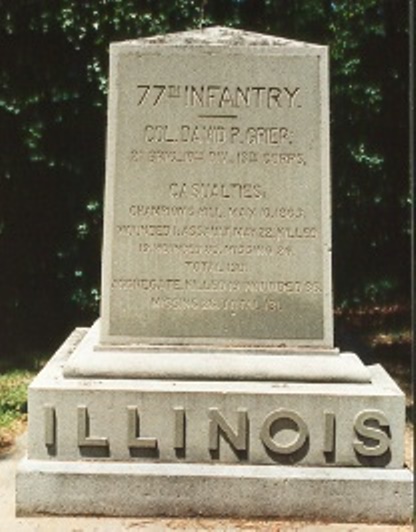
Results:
x,y
13,405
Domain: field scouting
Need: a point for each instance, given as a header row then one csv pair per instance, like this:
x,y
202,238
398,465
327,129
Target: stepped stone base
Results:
x,y
94,360
114,489
153,447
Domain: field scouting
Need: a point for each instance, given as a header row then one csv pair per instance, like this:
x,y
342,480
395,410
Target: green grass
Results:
x,y
13,404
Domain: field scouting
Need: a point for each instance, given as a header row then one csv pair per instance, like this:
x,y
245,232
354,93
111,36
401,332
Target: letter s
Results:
x,y
367,432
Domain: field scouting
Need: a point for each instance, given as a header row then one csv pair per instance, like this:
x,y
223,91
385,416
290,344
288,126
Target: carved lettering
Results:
x,y
219,425
215,285
50,424
205,266
232,191
283,432
220,97
179,437
372,428
84,438
300,428
277,233
134,441
218,204
329,432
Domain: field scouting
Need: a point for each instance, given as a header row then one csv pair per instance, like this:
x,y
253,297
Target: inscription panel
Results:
x,y
217,218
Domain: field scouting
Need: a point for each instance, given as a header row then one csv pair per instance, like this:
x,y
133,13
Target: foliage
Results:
x,y
13,401
369,149
53,83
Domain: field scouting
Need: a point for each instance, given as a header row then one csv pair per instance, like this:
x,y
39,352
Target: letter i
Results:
x,y
179,436
329,433
50,425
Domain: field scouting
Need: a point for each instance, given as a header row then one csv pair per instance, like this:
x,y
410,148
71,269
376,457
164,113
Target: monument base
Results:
x,y
186,490
141,447
96,361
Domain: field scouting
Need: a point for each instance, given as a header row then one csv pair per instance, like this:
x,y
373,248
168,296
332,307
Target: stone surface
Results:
x,y
201,490
133,420
87,523
217,219
188,362
88,468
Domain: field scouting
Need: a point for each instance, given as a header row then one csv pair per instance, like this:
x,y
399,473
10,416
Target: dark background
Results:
x,y
53,84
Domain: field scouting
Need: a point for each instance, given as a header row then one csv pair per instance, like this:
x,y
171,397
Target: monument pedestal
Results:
x,y
157,447
95,360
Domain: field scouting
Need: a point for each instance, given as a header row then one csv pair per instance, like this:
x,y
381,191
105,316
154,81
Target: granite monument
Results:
x,y
211,384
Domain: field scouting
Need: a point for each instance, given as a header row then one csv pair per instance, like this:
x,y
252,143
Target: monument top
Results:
x,y
217,236
217,209
218,36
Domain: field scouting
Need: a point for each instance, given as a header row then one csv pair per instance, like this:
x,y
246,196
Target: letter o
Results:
x,y
296,444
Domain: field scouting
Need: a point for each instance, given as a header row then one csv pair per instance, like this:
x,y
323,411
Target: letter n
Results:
x,y
218,424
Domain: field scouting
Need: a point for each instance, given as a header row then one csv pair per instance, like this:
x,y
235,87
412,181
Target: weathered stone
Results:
x,y
279,450
218,364
128,419
195,490
217,220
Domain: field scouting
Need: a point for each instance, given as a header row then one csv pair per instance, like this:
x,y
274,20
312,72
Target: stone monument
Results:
x,y
211,384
